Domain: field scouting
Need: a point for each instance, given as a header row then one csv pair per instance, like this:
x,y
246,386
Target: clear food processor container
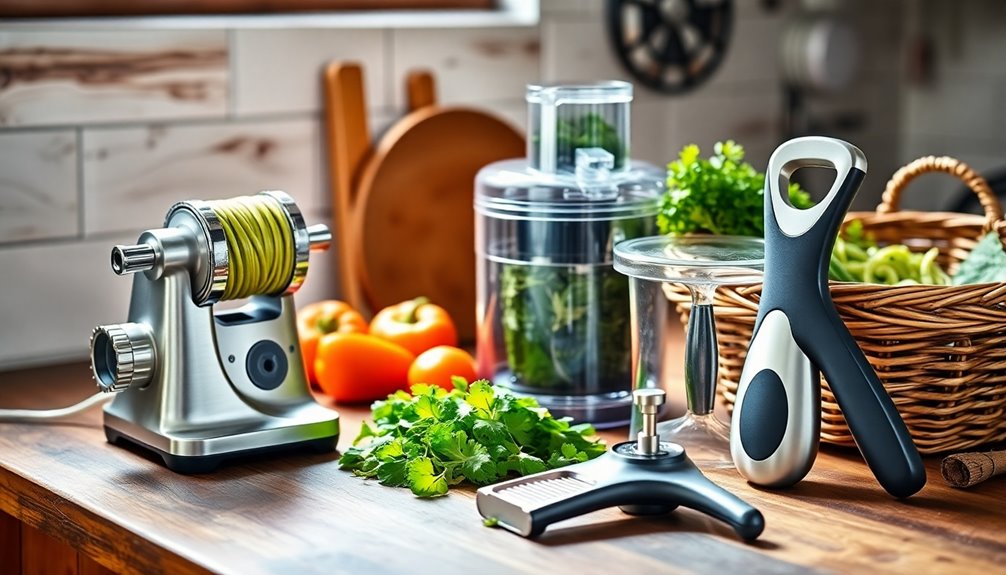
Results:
x,y
553,314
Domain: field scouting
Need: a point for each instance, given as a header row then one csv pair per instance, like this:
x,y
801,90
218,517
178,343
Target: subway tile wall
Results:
x,y
961,109
100,132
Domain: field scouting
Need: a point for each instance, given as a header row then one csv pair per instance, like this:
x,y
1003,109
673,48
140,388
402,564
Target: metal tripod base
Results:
x,y
311,427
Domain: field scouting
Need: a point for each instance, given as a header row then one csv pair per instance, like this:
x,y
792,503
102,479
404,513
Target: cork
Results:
x,y
968,469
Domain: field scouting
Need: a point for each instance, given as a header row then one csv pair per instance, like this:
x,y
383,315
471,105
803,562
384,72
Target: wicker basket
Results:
x,y
940,351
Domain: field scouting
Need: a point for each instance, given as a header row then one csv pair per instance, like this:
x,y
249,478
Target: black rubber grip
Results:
x,y
764,415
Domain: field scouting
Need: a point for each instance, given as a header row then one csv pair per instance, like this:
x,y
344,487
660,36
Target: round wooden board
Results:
x,y
413,230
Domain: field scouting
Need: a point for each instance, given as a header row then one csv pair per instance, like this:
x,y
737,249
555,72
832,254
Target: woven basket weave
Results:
x,y
940,351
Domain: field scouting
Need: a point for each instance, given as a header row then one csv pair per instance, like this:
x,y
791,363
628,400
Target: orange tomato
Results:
x,y
436,366
417,325
356,367
320,318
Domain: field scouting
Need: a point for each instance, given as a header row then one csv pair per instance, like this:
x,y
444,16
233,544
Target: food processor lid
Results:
x,y
511,189
693,259
602,92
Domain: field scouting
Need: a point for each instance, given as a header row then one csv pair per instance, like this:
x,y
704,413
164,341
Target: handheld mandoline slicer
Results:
x,y
642,477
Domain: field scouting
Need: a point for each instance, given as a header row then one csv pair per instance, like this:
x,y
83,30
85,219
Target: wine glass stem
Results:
x,y
701,352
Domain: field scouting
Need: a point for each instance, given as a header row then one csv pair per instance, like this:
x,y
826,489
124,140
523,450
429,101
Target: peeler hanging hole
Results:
x,y
815,182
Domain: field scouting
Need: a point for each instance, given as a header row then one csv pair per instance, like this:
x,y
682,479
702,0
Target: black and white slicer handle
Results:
x,y
776,418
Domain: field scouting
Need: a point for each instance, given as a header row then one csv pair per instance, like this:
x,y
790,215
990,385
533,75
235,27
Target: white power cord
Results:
x,y
30,415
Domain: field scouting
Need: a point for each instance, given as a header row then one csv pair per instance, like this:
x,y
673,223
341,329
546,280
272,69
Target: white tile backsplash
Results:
x,y
54,294
514,112
968,38
653,123
38,185
280,71
752,54
577,50
162,116
133,175
751,117
572,8
941,191
968,108
93,77
960,111
468,65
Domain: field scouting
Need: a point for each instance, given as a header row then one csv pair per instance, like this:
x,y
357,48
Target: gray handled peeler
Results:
x,y
776,418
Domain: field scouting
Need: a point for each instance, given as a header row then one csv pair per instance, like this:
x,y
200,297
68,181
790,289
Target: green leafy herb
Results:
x,y
586,131
722,195
985,264
559,323
432,439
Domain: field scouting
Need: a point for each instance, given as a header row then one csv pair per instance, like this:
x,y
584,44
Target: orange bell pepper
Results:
x,y
417,325
355,367
320,318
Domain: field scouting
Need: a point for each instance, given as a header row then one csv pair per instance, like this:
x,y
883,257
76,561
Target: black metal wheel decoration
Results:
x,y
670,45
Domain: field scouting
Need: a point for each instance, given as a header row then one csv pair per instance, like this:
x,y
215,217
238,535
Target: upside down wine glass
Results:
x,y
700,264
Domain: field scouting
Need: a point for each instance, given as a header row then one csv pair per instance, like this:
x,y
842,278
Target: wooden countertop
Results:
x,y
301,514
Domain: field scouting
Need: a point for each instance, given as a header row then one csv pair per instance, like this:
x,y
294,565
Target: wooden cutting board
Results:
x,y
407,223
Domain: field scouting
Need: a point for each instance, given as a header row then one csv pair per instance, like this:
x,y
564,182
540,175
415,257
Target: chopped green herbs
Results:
x,y
432,439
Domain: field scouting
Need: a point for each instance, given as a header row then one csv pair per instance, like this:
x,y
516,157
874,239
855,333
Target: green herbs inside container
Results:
x,y
566,329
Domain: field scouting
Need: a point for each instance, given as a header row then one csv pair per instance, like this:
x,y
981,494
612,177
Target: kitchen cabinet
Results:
x,y
71,503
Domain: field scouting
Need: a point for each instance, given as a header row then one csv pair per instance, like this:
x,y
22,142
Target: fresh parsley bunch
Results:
x,y
433,438
722,195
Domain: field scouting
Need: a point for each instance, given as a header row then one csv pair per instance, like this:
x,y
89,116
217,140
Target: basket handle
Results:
x,y
977,184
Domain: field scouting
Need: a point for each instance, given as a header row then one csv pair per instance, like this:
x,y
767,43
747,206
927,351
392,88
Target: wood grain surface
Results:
x,y
300,514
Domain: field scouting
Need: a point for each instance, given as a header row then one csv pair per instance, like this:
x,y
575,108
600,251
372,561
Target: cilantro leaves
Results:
x,y
431,439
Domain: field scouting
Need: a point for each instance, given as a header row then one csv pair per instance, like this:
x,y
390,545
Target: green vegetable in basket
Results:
x,y
857,258
985,264
722,195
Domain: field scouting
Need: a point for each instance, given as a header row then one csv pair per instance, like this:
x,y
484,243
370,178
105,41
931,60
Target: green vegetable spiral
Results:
x,y
259,244
856,258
